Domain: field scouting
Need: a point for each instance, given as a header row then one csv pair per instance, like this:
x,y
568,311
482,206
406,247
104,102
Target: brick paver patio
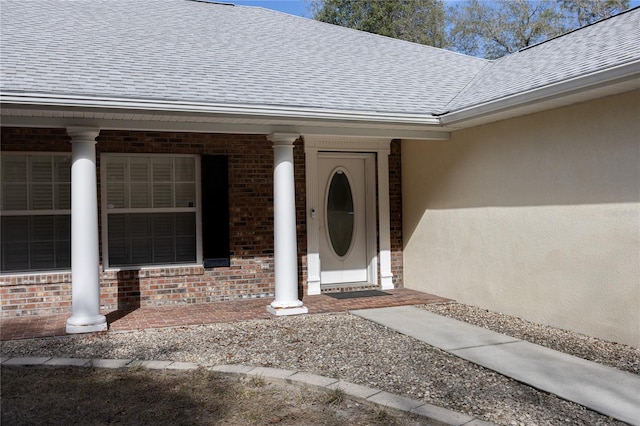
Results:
x,y
205,313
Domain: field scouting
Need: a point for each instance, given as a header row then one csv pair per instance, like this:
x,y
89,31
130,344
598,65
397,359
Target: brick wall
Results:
x,y
395,207
35,294
250,274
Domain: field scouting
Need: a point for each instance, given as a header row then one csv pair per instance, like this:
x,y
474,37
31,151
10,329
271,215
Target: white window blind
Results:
x,y
151,209
36,212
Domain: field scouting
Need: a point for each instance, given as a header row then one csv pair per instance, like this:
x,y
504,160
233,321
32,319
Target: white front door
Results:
x,y
344,217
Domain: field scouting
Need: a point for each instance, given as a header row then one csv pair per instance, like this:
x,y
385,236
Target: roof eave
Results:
x,y
228,110
619,78
43,110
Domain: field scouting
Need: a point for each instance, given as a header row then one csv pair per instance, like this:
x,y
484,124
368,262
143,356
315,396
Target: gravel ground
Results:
x,y
353,349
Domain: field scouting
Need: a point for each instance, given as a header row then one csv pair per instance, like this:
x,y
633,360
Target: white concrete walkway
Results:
x,y
603,389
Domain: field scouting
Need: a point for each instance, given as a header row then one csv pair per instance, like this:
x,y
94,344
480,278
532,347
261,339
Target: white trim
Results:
x,y
37,212
44,117
152,210
386,276
41,99
345,144
151,267
32,274
52,153
105,211
47,110
609,76
370,197
313,233
148,154
313,147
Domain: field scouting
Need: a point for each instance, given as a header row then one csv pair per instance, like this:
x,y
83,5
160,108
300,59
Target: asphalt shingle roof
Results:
x,y
183,50
609,43
199,52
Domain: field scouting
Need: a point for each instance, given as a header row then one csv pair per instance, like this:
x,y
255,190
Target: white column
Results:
x,y
85,278
285,255
386,277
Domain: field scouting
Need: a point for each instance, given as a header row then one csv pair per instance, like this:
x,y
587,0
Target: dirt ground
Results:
x,y
87,396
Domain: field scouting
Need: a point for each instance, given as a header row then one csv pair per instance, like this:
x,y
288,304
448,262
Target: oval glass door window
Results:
x,y
340,214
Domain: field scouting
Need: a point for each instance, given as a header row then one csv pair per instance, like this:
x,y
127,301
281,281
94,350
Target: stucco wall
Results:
x,y
536,217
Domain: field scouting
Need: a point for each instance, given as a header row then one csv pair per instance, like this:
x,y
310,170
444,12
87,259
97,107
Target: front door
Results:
x,y
344,216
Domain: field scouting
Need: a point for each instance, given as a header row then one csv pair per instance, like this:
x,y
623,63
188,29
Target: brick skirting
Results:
x,y
35,294
44,294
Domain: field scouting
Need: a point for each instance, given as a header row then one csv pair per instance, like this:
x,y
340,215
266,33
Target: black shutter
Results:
x,y
215,211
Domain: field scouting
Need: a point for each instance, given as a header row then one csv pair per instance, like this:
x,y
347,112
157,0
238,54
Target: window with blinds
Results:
x,y
150,209
36,212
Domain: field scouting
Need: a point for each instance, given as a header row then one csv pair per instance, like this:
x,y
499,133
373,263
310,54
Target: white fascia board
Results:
x,y
229,128
229,110
619,74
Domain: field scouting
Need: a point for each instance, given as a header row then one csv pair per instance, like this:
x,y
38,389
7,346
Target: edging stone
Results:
x,y
358,392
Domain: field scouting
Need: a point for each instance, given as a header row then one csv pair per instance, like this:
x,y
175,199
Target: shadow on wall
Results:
x,y
128,295
128,290
561,157
535,216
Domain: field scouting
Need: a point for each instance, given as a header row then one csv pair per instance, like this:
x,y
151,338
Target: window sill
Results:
x,y
154,271
39,277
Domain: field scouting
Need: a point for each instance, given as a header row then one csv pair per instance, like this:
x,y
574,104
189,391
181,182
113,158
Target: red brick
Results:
x,y
250,224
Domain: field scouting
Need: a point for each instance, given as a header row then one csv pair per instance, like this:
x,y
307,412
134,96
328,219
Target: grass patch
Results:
x,y
335,396
88,396
257,381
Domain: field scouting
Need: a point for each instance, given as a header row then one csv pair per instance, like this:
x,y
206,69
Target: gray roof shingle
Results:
x,y
197,52
606,44
205,53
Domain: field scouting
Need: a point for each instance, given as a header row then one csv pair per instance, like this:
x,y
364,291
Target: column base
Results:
x,y
293,310
313,288
386,283
93,324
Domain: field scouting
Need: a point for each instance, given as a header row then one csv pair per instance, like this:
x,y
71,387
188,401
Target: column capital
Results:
x,y
283,138
83,133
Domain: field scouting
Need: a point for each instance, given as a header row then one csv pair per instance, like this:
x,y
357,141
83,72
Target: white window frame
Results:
x,y
37,212
105,211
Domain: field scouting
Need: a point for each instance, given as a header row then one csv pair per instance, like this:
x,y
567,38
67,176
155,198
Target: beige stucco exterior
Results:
x,y
537,217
